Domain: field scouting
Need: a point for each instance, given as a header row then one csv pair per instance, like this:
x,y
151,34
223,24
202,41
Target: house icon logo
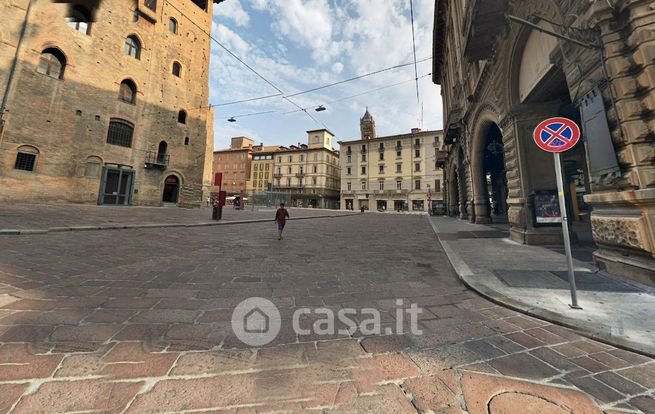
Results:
x,y
256,321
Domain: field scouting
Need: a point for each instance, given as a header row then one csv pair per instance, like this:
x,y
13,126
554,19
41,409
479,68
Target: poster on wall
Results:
x,y
546,208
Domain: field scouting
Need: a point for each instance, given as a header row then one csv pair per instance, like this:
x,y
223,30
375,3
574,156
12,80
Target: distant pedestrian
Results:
x,y
209,201
281,216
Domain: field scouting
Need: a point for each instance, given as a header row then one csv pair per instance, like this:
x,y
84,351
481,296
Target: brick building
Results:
x,y
234,163
105,102
505,66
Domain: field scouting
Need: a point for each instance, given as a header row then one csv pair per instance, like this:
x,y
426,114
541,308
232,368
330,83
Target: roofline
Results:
x,y
319,130
432,132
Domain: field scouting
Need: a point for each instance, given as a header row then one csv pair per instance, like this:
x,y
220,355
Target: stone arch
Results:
x,y
69,58
549,10
93,166
29,149
486,117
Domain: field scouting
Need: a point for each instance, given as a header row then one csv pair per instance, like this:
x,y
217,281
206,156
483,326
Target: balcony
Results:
x,y
300,174
363,150
441,157
399,148
417,146
381,149
483,22
277,175
158,160
396,192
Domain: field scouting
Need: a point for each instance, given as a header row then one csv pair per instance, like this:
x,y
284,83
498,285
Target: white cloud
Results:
x,y
337,67
259,4
302,44
232,10
232,40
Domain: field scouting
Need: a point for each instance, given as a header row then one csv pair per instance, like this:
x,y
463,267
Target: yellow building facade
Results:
x,y
310,172
262,167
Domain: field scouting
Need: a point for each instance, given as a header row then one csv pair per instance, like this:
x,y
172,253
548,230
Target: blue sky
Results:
x,y
303,44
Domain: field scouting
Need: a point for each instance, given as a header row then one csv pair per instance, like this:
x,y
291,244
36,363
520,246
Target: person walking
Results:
x,y
281,216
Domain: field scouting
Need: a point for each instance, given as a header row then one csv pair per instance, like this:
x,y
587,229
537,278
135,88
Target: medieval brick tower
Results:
x,y
105,101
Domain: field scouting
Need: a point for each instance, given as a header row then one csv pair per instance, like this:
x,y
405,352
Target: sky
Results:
x,y
302,44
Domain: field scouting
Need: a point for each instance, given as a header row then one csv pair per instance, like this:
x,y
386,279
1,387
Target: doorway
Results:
x,y
171,189
494,175
116,187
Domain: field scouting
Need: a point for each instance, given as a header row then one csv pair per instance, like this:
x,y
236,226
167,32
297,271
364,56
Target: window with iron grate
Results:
x,y
120,133
25,162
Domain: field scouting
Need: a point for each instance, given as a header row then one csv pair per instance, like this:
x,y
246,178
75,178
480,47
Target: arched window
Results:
x,y
127,91
52,63
133,47
120,133
172,25
26,158
181,117
79,20
161,152
177,69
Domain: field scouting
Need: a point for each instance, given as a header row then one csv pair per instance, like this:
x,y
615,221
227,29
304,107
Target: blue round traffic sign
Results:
x,y
557,134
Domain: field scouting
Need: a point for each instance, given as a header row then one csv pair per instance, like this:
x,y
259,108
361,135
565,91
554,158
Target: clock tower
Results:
x,y
367,126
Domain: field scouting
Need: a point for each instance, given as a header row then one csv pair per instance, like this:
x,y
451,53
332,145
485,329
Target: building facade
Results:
x,y
505,66
309,173
105,102
263,165
234,164
391,173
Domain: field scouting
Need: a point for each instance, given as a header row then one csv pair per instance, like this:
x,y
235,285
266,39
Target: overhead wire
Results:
x,y
243,62
256,113
328,85
411,12
362,93
357,77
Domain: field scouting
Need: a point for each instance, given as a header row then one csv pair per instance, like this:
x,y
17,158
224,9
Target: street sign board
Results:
x,y
557,135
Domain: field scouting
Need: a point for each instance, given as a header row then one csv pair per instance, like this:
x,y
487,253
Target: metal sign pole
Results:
x,y
565,230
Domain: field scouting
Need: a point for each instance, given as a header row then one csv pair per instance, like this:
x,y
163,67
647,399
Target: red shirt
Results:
x,y
281,215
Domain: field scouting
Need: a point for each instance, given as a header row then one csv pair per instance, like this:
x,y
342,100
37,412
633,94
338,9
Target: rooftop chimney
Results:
x,y
416,130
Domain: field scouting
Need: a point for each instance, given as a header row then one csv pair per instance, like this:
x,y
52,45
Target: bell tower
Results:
x,y
367,126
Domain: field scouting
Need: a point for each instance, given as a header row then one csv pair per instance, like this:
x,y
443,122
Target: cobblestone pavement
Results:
x,y
41,216
138,321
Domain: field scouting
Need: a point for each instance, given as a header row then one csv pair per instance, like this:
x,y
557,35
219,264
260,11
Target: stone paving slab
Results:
x,y
49,218
139,322
534,280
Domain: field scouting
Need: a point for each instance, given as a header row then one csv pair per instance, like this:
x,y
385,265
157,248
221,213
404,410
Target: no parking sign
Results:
x,y
556,135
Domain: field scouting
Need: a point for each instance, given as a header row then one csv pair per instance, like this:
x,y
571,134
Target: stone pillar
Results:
x,y
623,217
463,193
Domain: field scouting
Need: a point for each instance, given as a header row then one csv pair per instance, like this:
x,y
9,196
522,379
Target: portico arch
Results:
x,y
539,89
488,180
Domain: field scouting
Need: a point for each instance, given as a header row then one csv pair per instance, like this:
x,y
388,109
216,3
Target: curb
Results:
x,y
589,330
25,232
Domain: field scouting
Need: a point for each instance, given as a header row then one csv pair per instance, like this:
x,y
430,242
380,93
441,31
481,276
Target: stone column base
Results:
x,y
536,236
640,270
623,225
